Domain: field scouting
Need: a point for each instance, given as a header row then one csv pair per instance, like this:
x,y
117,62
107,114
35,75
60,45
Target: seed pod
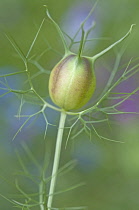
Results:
x,y
72,82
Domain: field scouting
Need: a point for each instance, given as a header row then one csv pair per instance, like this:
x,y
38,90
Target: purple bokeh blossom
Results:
x,y
130,104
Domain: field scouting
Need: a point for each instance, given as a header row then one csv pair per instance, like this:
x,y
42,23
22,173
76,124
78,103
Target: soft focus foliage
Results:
x,y
110,170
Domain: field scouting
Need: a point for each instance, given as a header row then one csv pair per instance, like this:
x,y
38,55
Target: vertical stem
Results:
x,y
81,44
56,159
42,186
41,196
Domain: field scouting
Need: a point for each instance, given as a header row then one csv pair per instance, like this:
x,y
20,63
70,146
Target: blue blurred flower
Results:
x,y
131,104
74,17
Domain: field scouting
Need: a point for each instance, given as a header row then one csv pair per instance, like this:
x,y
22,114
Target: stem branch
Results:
x,y
56,159
113,45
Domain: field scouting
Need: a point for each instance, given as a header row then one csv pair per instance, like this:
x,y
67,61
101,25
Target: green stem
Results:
x,y
41,195
12,74
35,38
67,51
113,45
42,186
56,159
81,43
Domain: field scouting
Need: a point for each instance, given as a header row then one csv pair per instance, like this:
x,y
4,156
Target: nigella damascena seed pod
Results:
x,y
72,82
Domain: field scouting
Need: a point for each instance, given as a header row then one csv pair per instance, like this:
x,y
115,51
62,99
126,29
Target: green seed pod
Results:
x,y
72,82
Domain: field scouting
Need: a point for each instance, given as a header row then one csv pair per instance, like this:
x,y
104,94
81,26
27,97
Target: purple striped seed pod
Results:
x,y
72,82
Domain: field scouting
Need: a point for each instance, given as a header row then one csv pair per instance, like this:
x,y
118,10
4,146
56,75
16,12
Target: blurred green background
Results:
x,y
110,170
